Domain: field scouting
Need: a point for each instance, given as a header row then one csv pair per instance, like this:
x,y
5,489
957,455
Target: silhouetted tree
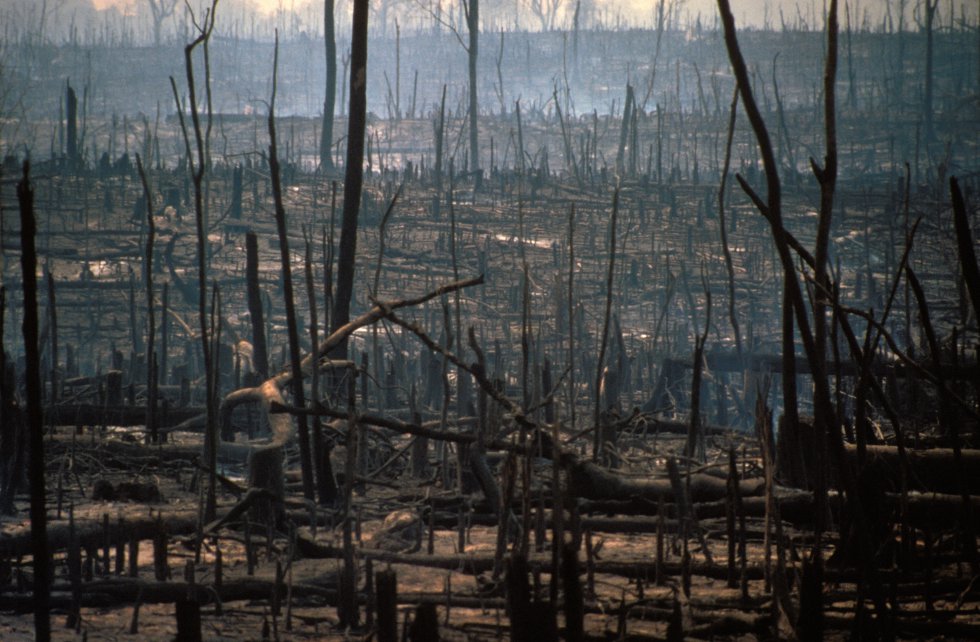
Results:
x,y
354,171
160,11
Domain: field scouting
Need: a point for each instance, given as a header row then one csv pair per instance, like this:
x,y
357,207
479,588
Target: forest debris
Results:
x,y
125,491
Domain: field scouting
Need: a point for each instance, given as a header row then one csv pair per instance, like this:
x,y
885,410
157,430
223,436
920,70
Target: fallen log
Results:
x,y
136,523
930,470
125,590
933,510
476,564
158,454
95,415
589,481
129,521
907,625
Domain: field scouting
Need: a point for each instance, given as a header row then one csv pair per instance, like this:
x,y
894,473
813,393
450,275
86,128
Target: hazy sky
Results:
x,y
747,12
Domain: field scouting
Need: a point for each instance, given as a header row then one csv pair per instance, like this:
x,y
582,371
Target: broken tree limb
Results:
x,y
265,461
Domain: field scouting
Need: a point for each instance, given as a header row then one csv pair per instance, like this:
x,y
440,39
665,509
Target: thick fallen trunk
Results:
x,y
475,564
114,452
931,510
930,470
125,590
135,524
589,481
96,415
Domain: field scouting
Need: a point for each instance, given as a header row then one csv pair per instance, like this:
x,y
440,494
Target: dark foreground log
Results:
x,y
96,415
589,481
931,469
933,510
123,590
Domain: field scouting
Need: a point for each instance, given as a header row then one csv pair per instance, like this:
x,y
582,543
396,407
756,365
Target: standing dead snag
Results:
x,y
330,94
197,171
929,7
151,366
32,353
472,9
160,10
71,102
826,423
965,245
260,358
353,174
598,441
793,302
11,425
306,465
722,223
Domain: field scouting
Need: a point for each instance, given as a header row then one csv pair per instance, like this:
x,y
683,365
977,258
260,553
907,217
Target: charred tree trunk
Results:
x,y
39,534
260,358
151,372
473,25
330,95
354,173
930,7
306,463
11,426
71,109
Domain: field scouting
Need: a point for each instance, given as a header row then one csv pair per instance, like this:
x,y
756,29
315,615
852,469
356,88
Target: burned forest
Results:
x,y
528,319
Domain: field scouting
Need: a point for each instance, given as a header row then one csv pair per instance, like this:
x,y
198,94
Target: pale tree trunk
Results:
x,y
330,96
473,25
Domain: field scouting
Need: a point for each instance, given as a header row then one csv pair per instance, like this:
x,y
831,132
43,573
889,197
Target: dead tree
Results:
x,y
151,371
472,8
353,173
929,7
197,171
793,302
32,350
160,10
330,95
306,464
71,104
11,426
260,358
